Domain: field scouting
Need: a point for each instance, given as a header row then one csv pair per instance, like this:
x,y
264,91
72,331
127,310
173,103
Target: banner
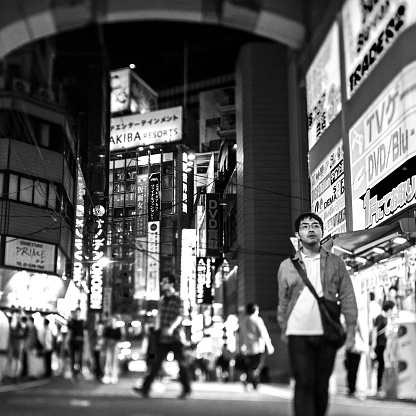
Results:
x,y
154,197
153,261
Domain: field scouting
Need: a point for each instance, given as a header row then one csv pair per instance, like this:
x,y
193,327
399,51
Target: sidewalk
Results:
x,y
91,386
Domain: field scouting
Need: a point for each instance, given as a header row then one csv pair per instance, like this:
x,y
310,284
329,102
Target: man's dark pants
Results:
x,y
312,361
161,352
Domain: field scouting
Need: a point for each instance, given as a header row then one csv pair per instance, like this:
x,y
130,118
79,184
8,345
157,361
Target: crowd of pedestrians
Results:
x,y
36,349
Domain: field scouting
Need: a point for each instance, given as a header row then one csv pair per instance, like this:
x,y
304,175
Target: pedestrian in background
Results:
x,y
77,333
112,336
48,345
98,343
254,343
352,362
379,340
168,327
17,332
311,357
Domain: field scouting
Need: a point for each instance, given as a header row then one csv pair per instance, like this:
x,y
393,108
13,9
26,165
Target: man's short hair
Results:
x,y
171,277
388,304
308,215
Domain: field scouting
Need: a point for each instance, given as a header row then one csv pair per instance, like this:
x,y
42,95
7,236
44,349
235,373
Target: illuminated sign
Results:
x,y
370,28
120,90
184,182
188,264
328,191
323,87
162,126
98,250
381,141
154,197
204,281
78,270
30,255
153,261
140,254
212,213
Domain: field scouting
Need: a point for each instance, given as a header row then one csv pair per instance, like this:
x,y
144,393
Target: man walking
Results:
x,y
168,326
311,357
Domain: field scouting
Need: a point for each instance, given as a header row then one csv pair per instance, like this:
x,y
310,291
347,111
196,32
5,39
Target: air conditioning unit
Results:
x,y
21,86
46,94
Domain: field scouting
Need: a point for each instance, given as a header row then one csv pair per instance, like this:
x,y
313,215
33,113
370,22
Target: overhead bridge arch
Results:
x,y
25,21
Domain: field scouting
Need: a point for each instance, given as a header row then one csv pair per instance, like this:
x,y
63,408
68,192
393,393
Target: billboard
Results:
x,y
382,153
328,191
204,281
29,255
157,127
323,87
369,29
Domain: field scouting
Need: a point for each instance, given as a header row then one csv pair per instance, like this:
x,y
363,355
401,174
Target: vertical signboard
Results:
x,y
383,154
328,191
188,265
78,270
370,28
153,260
154,197
185,182
204,281
141,237
212,212
98,250
323,87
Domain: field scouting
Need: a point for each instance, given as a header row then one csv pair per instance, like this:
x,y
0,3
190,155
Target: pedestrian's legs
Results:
x,y
177,349
161,351
302,361
325,360
353,362
380,359
48,363
253,370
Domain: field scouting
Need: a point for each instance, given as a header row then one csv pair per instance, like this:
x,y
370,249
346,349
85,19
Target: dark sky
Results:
x,y
157,49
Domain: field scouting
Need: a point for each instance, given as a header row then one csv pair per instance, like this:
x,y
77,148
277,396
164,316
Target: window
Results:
x,y
52,197
13,192
1,184
26,190
40,193
44,134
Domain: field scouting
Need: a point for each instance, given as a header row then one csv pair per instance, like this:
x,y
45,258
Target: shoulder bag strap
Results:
x,y
304,277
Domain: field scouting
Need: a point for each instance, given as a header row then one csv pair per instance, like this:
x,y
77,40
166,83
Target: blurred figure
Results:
x,y
223,362
352,361
48,344
16,345
98,343
75,342
379,339
62,351
254,341
168,325
112,335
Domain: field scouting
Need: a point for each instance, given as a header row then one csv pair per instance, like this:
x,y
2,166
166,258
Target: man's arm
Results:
x,y
348,303
283,301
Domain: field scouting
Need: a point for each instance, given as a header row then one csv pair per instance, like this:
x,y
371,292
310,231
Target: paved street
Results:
x,y
90,398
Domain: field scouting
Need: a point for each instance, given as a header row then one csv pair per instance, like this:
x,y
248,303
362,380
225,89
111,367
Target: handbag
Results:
x,y
334,332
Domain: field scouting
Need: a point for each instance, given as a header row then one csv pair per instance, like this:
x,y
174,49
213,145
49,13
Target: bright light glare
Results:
x,y
132,66
120,324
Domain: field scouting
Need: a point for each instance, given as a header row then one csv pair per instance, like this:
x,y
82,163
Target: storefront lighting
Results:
x,y
189,169
190,163
379,250
361,259
141,148
136,324
383,260
120,324
348,267
235,146
151,147
399,240
191,156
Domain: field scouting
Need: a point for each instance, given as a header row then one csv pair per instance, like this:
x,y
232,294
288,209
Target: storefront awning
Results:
x,y
366,245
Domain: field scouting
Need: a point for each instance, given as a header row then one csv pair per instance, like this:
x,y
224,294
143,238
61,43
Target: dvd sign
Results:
x,y
213,224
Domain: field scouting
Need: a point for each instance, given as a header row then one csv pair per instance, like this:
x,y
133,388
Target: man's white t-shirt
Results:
x,y
305,318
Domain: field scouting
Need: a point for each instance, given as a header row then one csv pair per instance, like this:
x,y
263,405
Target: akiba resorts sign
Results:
x,y
156,127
